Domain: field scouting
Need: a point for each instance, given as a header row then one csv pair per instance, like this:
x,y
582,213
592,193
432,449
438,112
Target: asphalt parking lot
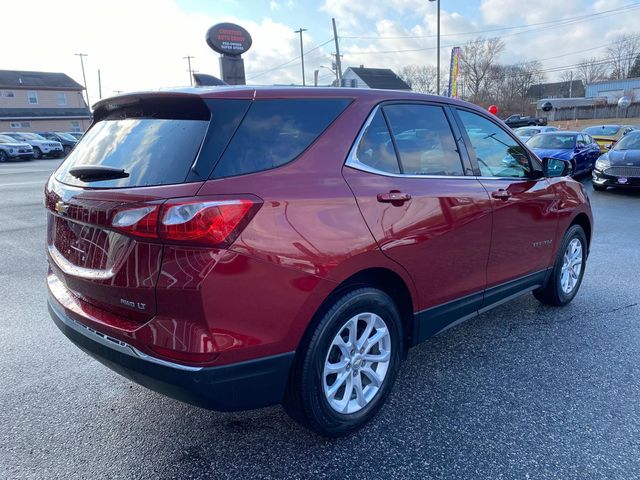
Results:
x,y
524,391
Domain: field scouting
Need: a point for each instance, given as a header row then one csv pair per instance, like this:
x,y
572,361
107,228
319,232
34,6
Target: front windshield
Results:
x,y
607,130
629,142
66,136
6,139
32,136
559,141
527,132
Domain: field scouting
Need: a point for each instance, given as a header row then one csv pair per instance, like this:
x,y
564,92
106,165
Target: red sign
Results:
x,y
229,39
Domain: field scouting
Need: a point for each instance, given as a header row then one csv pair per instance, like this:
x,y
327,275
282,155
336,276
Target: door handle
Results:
x,y
501,194
394,197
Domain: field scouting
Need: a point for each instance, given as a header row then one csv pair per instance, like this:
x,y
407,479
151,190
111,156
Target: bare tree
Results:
x,y
421,79
477,59
592,70
623,54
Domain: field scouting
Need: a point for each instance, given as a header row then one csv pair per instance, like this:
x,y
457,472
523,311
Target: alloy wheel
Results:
x,y
571,266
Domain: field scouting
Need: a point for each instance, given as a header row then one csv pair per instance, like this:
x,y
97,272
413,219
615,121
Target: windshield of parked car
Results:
x,y
32,136
630,141
526,132
558,141
608,130
66,136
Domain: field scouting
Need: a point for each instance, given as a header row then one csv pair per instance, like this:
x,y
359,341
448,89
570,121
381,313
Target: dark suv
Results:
x,y
240,247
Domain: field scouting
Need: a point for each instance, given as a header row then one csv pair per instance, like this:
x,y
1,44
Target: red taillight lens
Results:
x,y
141,221
208,222
195,220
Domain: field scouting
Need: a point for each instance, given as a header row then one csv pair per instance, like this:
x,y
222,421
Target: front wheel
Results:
x,y
568,270
3,156
345,370
37,153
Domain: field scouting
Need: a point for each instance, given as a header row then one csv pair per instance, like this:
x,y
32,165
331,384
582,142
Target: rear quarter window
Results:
x,y
275,132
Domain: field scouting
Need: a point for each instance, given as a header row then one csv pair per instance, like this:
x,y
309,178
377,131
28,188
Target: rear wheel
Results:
x,y
568,269
67,150
344,372
37,153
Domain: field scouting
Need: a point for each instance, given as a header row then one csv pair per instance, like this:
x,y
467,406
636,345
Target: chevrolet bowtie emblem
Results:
x,y
61,207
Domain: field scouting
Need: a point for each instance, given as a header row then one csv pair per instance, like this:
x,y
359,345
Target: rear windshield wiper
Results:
x,y
92,173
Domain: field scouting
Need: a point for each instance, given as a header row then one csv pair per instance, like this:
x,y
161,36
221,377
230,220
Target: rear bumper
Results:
x,y
240,386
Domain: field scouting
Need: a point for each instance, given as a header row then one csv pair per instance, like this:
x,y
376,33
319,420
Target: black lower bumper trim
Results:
x,y
239,386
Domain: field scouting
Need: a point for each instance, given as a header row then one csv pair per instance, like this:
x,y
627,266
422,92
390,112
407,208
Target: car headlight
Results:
x,y
602,163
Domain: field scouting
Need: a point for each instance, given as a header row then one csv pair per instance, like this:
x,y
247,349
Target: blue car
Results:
x,y
577,147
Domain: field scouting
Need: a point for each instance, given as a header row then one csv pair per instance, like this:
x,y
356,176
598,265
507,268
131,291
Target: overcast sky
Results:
x,y
139,44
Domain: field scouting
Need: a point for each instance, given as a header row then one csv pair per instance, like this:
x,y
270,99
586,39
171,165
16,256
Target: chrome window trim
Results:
x,y
354,162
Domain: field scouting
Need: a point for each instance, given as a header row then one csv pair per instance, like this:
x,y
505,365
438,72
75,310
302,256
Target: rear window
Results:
x,y
607,130
275,132
152,151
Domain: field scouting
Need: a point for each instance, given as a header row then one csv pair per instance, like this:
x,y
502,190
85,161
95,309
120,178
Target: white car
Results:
x,y
525,133
41,146
12,149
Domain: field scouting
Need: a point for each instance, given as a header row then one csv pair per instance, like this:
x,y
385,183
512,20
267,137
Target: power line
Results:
x,y
264,72
500,29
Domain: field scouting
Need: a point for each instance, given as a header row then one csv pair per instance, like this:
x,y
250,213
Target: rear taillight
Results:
x,y
201,221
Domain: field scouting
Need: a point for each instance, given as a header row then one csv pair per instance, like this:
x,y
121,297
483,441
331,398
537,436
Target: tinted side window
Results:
x,y
497,154
425,143
376,148
275,132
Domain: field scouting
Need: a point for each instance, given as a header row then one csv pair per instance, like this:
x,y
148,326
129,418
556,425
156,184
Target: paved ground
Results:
x,y
525,391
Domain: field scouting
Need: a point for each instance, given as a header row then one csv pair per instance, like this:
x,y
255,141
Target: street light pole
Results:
x,y
84,77
438,48
301,52
188,59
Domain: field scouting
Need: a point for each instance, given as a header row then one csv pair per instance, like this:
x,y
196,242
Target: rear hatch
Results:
x,y
102,216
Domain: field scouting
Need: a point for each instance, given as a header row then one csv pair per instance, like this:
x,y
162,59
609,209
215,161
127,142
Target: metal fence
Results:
x,y
591,112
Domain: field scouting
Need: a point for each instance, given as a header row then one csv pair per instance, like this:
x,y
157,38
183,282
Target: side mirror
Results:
x,y
556,167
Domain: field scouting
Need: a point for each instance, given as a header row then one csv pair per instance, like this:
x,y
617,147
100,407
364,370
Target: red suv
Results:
x,y
240,247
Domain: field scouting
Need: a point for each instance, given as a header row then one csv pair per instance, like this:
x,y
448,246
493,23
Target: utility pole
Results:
x,y
84,77
315,77
570,83
338,61
188,59
438,47
99,85
301,52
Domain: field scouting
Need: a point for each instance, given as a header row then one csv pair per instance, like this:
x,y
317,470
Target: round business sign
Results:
x,y
228,38
546,107
624,102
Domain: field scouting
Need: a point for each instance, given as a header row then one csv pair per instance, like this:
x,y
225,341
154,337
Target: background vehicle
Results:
x,y
76,135
525,133
12,149
68,142
524,120
607,135
241,247
620,166
41,146
579,148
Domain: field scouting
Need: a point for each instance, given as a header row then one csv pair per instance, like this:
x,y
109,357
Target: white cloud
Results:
x,y
273,5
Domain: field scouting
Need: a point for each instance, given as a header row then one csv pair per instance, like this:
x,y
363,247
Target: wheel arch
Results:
x,y
583,220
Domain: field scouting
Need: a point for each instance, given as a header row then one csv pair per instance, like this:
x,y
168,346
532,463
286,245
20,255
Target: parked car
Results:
x,y
620,166
41,146
68,142
11,149
578,148
259,266
525,133
524,120
76,135
608,135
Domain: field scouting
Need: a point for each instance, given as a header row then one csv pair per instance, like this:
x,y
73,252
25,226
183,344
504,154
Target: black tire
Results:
x,y
37,153
552,293
67,150
305,400
3,156
599,188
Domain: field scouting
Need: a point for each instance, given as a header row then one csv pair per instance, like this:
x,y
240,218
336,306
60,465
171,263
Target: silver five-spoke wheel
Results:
x,y
571,266
356,363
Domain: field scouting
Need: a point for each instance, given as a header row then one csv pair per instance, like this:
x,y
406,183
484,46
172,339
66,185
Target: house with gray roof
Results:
x,y
383,78
41,101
